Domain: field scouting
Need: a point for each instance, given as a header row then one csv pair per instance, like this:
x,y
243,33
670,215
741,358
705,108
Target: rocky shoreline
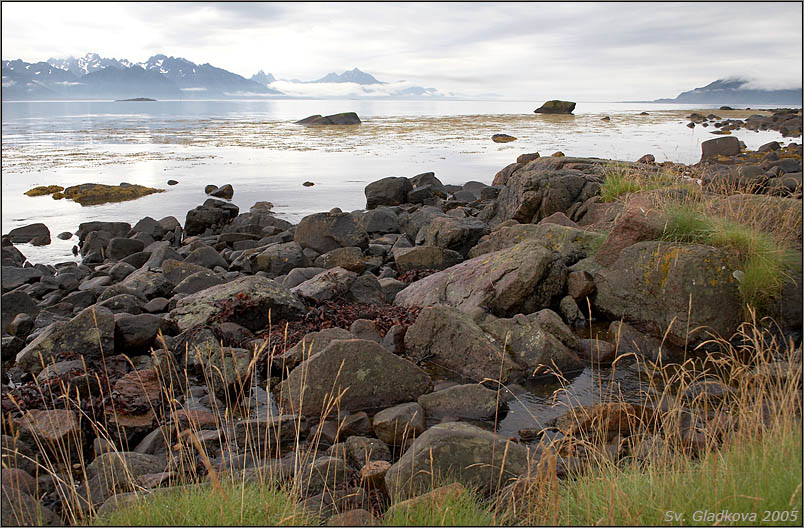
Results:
x,y
244,314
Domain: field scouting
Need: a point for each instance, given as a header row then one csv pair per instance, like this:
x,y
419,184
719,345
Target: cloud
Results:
x,y
349,89
523,50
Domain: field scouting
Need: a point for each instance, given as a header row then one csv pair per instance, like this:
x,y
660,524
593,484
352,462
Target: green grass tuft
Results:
x,y
461,508
238,504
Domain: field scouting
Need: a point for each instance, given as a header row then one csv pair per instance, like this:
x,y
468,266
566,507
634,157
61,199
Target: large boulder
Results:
x,y
387,191
568,241
556,106
425,257
37,233
324,232
362,373
212,214
379,220
328,284
344,118
90,334
520,279
472,401
16,302
457,234
14,277
472,456
114,229
653,284
723,146
541,188
434,335
279,259
245,301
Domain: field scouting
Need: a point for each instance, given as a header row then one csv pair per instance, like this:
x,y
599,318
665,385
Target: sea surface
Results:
x,y
255,146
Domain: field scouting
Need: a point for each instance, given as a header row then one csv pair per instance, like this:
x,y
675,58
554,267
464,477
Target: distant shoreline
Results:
x,y
135,99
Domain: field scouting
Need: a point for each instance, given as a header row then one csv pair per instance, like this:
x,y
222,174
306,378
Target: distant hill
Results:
x,y
736,91
263,78
95,77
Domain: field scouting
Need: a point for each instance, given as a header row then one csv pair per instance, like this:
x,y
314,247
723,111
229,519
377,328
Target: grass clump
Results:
x,y
766,263
451,505
745,477
44,190
621,180
233,504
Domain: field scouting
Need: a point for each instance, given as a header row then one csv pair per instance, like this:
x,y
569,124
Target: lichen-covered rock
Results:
x,y
365,375
89,334
520,279
461,451
279,259
400,423
245,301
568,241
457,234
652,284
425,257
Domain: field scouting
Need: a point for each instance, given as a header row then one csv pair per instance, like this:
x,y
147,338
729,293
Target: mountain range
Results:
x,y
164,77
736,91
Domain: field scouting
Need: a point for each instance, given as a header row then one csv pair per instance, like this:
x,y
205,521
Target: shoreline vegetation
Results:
x,y
354,369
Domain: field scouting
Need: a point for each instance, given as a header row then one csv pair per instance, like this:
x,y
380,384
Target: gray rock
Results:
x,y
374,377
259,295
200,280
400,423
556,106
349,258
326,285
91,333
14,303
120,248
387,191
134,334
29,233
212,214
14,277
379,220
724,146
225,191
298,275
206,257
466,453
473,401
327,231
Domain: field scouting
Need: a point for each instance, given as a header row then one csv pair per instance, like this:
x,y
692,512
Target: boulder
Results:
x,y
345,118
150,227
724,146
538,342
147,284
90,333
568,241
136,333
327,231
200,280
349,258
502,138
556,106
651,283
310,345
379,220
365,375
472,456
543,187
279,259
213,213
436,331
400,423
245,301
326,285
29,233
207,257
425,257
114,229
14,277
225,191
634,225
387,191
120,248
520,279
457,234
473,401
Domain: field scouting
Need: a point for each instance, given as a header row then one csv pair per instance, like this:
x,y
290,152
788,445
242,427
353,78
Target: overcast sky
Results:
x,y
532,51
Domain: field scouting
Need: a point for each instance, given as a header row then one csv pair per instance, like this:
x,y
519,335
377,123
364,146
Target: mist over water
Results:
x,y
255,146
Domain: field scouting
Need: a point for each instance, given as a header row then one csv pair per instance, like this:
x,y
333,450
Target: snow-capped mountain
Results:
x,y
263,78
91,62
40,80
354,76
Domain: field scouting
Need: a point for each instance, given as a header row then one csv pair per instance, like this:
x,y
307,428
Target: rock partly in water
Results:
x,y
556,106
97,193
345,118
502,138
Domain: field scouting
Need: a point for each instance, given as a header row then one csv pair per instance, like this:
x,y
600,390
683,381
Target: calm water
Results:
x,y
255,146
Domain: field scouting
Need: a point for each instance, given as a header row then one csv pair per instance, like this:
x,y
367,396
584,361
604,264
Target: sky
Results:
x,y
529,51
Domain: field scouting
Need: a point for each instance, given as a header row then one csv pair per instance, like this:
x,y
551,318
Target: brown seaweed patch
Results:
x,y
97,193
44,190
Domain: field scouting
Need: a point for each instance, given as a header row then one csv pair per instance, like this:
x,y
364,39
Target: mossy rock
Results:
x,y
97,193
44,190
